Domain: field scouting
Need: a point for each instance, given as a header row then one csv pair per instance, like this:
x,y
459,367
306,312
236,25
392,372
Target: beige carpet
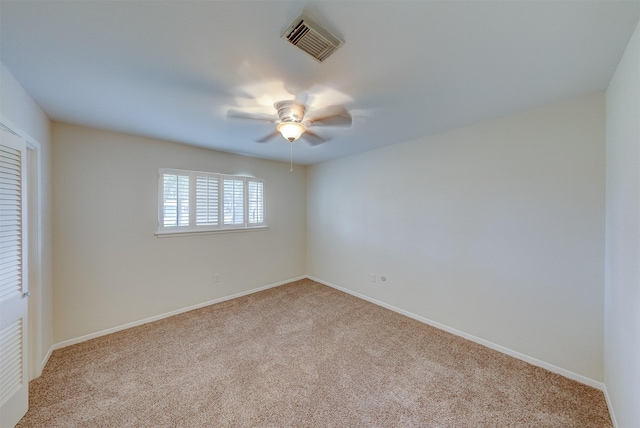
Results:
x,y
300,355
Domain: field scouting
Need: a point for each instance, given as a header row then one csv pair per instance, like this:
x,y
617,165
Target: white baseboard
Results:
x,y
531,360
608,399
45,360
37,371
555,369
84,338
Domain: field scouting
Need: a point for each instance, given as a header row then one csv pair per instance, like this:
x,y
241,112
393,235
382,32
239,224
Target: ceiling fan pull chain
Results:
x,y
291,158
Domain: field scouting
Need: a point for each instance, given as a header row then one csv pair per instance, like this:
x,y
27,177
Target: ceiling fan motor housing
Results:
x,y
290,111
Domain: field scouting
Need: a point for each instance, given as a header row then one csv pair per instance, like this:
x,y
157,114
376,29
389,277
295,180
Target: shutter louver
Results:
x,y
206,200
10,222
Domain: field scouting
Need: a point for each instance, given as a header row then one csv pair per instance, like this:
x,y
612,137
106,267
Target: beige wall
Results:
x,y
622,279
22,115
495,230
109,267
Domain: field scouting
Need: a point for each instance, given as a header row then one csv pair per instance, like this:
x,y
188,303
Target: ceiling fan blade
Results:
x,y
237,114
302,97
312,138
268,137
333,116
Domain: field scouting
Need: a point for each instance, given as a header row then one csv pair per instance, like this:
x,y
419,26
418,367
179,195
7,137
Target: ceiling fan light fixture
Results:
x,y
291,130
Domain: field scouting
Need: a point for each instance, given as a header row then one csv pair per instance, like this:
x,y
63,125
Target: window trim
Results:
x,y
193,228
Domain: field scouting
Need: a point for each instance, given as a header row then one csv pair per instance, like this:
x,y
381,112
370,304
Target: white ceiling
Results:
x,y
171,69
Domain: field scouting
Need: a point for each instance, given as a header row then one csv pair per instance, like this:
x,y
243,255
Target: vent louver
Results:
x,y
311,38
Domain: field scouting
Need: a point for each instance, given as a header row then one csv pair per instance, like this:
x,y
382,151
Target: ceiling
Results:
x,y
172,69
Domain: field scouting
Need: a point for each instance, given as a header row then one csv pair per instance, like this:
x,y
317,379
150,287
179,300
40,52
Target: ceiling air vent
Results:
x,y
310,37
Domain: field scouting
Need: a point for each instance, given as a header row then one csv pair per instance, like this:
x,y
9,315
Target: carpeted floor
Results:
x,y
300,355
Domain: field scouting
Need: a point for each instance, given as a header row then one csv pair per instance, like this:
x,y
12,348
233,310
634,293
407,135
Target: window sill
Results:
x,y
165,234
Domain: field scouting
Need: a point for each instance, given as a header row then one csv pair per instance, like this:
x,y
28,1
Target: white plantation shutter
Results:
x,y
196,201
233,197
255,201
207,206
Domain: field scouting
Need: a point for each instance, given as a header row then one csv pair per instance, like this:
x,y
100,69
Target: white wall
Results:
x,y
496,230
111,270
622,271
20,113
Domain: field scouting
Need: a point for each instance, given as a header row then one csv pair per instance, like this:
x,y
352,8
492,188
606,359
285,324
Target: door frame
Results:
x,y
34,255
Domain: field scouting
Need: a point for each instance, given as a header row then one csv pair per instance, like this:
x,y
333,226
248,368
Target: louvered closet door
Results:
x,y
14,385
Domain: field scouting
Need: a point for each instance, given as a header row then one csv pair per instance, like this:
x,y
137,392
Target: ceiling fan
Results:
x,y
292,124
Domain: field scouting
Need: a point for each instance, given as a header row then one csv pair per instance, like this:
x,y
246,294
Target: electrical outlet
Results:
x,y
373,277
216,278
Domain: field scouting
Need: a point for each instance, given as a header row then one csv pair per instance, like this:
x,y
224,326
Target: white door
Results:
x,y
14,385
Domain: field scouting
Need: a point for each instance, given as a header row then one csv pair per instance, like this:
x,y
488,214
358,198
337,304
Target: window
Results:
x,y
194,201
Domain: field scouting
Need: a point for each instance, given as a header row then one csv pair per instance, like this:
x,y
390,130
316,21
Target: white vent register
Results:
x,y
311,38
